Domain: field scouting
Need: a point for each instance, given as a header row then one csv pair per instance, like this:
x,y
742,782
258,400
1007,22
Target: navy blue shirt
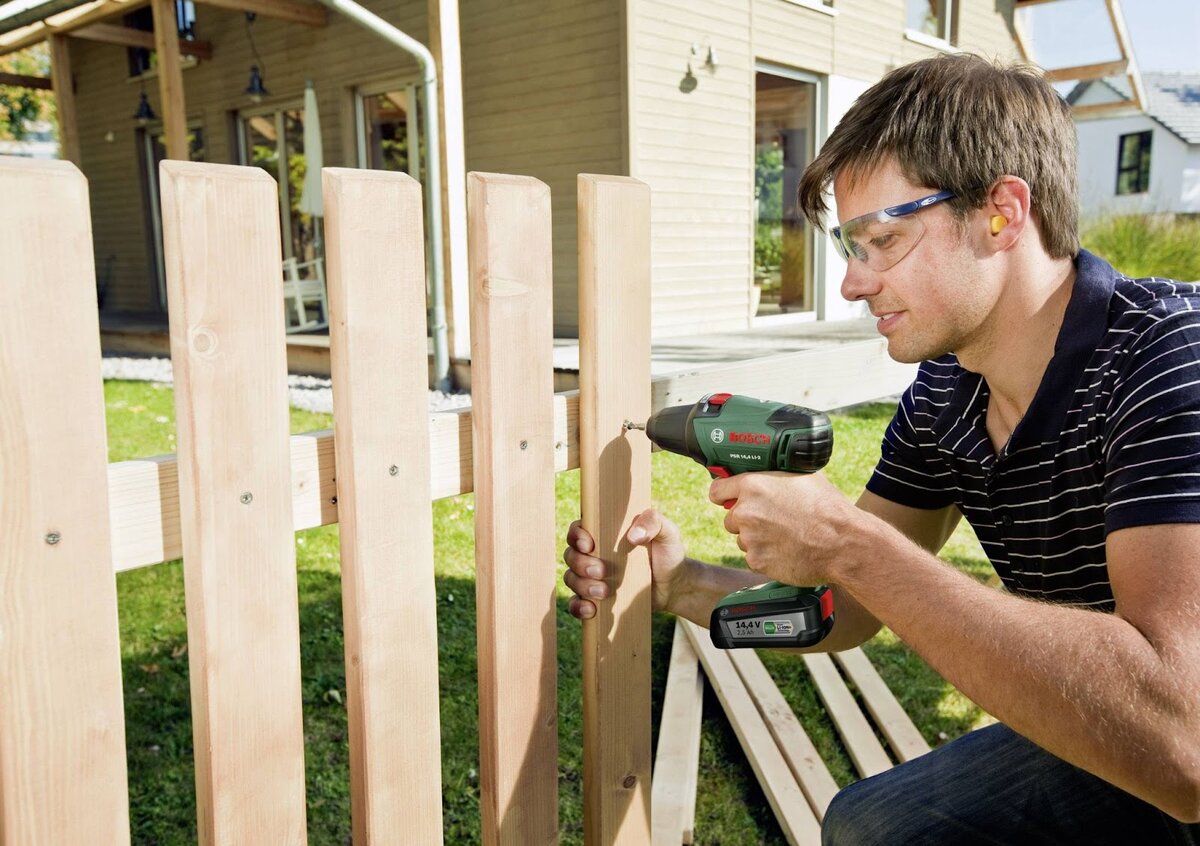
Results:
x,y
1111,439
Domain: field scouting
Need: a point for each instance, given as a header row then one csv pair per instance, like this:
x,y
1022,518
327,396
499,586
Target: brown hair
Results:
x,y
958,123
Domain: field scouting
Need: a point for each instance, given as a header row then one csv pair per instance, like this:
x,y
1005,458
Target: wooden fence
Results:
x,y
231,499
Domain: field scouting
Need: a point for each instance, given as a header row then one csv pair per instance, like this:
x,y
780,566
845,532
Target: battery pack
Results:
x,y
772,615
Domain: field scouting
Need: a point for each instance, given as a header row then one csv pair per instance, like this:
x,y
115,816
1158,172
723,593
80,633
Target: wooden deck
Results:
x,y
309,352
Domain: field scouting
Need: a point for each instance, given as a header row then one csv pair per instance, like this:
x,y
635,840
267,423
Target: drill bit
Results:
x,y
629,424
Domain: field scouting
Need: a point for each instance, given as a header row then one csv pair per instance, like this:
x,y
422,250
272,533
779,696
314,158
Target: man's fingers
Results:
x,y
652,526
578,538
583,586
723,490
731,522
581,608
584,565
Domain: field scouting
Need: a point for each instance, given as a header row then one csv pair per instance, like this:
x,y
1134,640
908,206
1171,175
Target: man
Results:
x,y
1058,408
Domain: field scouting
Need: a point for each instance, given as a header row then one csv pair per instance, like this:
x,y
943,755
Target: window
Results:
x,y
142,59
152,145
388,131
785,132
931,17
1133,163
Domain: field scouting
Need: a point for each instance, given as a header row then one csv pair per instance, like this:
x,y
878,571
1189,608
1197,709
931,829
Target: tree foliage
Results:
x,y
19,107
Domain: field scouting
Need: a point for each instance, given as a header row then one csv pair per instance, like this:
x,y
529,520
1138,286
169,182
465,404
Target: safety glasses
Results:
x,y
881,238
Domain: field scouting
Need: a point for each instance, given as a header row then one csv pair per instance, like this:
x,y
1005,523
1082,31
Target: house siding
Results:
x,y
695,149
1170,159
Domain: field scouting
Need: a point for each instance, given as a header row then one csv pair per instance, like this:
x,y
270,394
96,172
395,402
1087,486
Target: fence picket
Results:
x,y
614,336
515,545
376,275
62,725
222,249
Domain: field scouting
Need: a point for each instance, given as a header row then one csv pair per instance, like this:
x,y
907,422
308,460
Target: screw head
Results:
x,y
394,470
247,498
524,444
53,537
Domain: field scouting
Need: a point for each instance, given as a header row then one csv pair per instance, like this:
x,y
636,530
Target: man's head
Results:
x,y
958,123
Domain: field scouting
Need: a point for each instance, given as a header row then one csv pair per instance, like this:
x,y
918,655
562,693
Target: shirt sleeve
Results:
x,y
1152,431
910,470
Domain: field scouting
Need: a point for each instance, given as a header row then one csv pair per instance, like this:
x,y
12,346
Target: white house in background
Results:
x,y
1133,161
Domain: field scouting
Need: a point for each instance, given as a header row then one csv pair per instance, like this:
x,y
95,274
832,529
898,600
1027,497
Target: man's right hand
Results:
x,y
586,574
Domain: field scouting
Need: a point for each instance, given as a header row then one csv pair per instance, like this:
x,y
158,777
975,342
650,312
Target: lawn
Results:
x,y
730,810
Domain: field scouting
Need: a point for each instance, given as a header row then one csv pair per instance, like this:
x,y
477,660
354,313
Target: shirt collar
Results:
x,y
1084,325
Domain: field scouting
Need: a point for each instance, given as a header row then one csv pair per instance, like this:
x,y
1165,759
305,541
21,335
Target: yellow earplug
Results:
x,y
998,223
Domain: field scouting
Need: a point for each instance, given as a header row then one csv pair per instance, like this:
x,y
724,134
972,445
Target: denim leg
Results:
x,y
993,786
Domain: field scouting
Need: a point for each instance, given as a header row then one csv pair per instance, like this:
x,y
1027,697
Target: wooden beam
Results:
x,y
66,22
62,726
1086,72
1114,108
221,239
865,749
791,809
676,762
802,757
145,494
376,272
515,545
19,80
64,95
445,44
614,482
130,37
170,80
1135,77
308,14
906,742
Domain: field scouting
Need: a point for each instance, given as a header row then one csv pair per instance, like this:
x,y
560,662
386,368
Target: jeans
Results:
x,y
993,786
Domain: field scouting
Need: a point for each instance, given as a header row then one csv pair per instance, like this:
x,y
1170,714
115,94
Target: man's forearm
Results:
x,y
1084,685
705,584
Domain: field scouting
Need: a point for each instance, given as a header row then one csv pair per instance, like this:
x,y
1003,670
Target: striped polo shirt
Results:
x,y
1111,439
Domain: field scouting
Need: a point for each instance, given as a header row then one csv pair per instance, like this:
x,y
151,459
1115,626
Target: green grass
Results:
x,y
731,809
1145,245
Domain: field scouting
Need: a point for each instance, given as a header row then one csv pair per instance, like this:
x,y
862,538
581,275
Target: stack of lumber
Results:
x,y
793,777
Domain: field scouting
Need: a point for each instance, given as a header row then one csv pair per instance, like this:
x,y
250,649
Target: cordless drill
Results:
x,y
730,434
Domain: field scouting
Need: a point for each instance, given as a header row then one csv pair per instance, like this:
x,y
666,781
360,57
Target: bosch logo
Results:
x,y
717,435
749,438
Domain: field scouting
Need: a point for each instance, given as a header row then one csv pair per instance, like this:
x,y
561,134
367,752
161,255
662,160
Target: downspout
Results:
x,y
433,172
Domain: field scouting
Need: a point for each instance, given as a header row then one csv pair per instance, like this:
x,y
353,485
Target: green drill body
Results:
x,y
731,434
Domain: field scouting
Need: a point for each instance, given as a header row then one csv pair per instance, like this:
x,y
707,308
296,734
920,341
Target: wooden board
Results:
x,y
376,275
145,500
64,97
614,357
906,742
865,749
802,757
62,724
797,820
673,794
222,249
515,540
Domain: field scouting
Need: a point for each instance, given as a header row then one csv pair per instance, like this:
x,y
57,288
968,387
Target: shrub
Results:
x,y
1148,245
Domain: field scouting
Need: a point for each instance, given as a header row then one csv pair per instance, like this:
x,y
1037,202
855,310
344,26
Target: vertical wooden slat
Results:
x,y
614,354
221,240
170,79
516,574
673,796
64,98
376,274
62,726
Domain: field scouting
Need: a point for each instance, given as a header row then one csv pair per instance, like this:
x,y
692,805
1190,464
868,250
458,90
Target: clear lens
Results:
x,y
879,240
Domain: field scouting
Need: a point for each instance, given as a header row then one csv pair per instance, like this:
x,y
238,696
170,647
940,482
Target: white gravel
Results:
x,y
311,393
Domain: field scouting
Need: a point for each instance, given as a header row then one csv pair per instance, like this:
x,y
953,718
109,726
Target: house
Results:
x,y
1139,160
717,104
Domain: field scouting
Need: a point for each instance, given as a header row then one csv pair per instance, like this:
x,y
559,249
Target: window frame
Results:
x,y
1145,144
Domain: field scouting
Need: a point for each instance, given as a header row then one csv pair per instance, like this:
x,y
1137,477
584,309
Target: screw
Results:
x,y
53,537
333,501
247,498
394,470
629,782
524,444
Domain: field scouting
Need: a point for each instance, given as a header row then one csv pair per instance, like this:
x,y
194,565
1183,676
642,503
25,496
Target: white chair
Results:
x,y
304,286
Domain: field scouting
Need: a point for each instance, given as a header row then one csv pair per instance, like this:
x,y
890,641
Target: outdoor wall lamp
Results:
x,y
144,113
256,90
